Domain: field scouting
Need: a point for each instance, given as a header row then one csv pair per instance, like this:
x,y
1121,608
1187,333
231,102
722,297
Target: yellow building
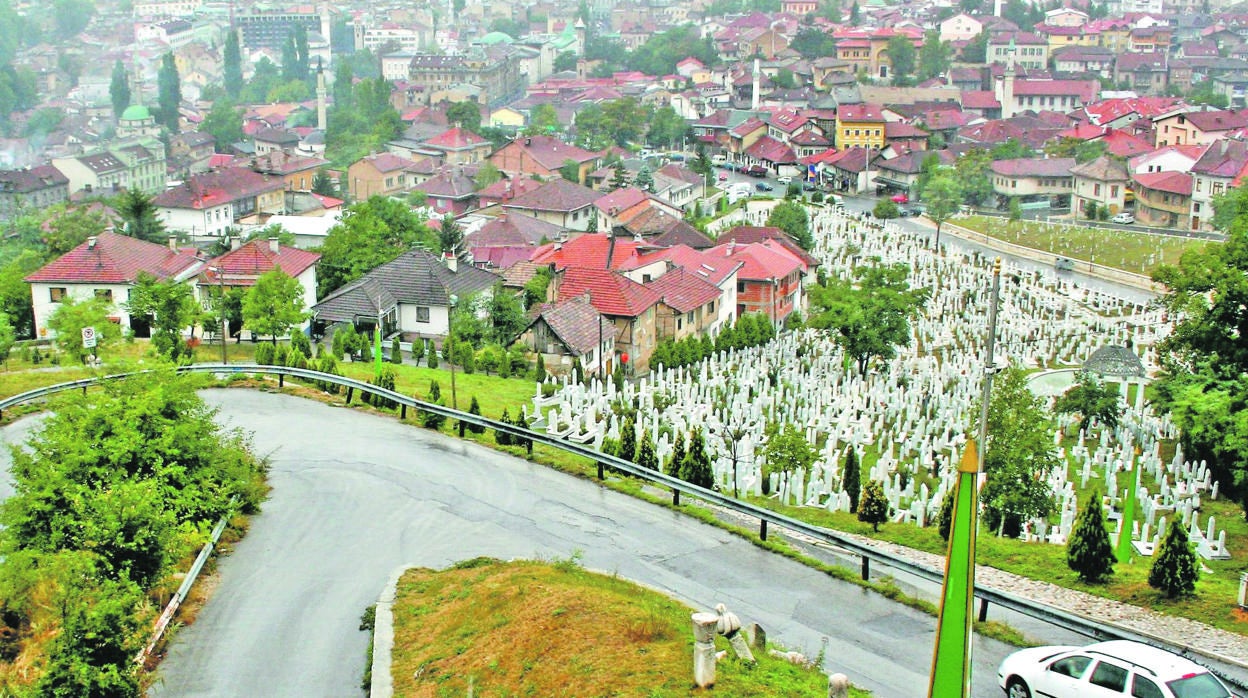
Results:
x,y
860,125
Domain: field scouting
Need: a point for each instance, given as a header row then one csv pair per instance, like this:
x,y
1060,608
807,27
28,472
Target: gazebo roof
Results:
x,y
1115,360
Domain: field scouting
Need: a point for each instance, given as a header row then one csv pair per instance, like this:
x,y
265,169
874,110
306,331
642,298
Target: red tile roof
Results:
x,y
684,291
456,139
771,150
1172,182
860,112
610,293
1033,167
241,267
114,259
760,262
590,250
1085,90
697,262
216,188
555,195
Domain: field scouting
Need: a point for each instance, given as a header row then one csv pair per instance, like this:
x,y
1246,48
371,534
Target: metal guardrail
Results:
x,y
1049,614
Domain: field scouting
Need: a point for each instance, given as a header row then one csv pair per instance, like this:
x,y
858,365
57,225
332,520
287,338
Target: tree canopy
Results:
x,y
274,305
791,217
72,315
1090,399
1018,457
901,55
371,233
871,315
172,306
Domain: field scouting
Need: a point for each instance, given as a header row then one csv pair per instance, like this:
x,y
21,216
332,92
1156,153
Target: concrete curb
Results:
x,y
383,637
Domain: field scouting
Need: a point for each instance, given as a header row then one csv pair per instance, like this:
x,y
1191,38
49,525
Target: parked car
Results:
x,y
1124,217
723,176
911,211
901,198
809,186
756,171
1117,667
783,180
731,166
764,186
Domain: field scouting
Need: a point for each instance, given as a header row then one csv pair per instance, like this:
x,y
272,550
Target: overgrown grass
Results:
x,y
524,628
1140,253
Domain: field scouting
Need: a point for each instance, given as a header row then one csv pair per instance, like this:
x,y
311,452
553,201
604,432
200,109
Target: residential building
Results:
x,y
769,280
32,189
296,171
631,307
243,265
1023,49
960,27
106,266
688,306
571,331
494,69
206,206
459,146
382,174
1164,200
860,125
137,164
543,156
507,239
1033,179
1103,181
559,201
1196,127
451,191
1219,167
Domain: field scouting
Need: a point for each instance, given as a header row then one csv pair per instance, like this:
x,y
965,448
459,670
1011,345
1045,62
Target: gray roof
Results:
x,y
416,277
1115,360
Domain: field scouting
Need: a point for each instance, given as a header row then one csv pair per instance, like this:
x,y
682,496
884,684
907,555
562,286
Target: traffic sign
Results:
x,y
88,338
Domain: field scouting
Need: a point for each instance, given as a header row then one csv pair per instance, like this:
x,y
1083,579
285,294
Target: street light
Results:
x,y
221,306
450,314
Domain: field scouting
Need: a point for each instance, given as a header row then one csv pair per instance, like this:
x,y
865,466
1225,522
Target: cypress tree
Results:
x,y
169,95
541,369
696,466
119,89
628,439
945,519
475,408
678,456
433,420
646,456
852,479
502,438
874,505
1174,570
1088,551
396,352
232,71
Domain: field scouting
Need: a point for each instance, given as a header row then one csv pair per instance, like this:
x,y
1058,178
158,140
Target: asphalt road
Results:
x,y
356,496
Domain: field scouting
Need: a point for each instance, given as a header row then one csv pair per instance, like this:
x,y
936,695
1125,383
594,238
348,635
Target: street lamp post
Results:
x,y
450,314
221,306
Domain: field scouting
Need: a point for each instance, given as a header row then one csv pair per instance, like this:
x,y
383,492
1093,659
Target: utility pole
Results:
x,y
951,658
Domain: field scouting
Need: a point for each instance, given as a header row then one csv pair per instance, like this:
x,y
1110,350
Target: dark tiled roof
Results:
x,y
555,195
577,324
33,179
416,277
1034,167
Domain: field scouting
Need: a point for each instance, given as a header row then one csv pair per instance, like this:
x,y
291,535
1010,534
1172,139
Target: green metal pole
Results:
x,y
377,350
1123,549
951,660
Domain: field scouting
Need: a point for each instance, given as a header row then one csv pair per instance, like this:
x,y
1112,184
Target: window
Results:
x,y
1199,183
1109,676
1144,688
56,294
1096,190
1217,188
1113,191
740,287
105,293
422,313
689,316
1071,666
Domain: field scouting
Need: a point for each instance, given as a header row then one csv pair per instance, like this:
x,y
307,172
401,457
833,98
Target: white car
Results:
x,y
1115,668
1123,218
783,180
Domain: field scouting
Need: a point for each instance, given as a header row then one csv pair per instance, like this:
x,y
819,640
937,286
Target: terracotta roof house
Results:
x,y
507,239
543,156
1102,182
106,266
296,171
559,202
453,191
847,170
414,292
381,174
571,331
1033,178
769,280
1164,199
1219,167
900,173
31,189
459,146
630,306
505,190
1182,127
242,265
689,305
206,206
593,251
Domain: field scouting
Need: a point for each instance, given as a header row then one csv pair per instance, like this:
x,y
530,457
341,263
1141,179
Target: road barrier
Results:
x,y
1085,626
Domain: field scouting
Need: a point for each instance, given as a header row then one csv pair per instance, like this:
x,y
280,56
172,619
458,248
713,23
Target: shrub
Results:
x,y
541,369
852,483
873,508
475,408
501,438
433,357
1174,570
300,341
396,351
418,350
885,209
329,364
1088,552
265,354
432,420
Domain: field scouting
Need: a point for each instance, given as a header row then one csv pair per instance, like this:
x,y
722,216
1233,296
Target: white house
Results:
x,y
242,265
106,266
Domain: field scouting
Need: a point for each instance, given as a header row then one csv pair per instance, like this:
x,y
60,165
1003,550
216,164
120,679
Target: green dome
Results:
x,y
136,112
497,38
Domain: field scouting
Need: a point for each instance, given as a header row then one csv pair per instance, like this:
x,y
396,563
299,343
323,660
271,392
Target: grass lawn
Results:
x,y
491,628
1140,253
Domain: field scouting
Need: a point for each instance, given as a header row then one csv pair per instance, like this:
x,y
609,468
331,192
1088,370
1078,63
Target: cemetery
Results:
x,y
906,419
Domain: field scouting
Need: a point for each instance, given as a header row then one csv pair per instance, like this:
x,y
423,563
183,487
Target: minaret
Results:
x,y
754,103
1007,87
322,120
996,7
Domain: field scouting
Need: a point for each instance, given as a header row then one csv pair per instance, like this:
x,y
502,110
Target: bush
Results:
x,y
386,381
475,408
1088,552
418,350
396,351
431,420
300,341
873,508
296,359
817,197
1174,570
501,438
328,364
885,209
433,357
265,354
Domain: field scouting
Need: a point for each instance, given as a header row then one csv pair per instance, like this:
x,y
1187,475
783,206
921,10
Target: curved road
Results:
x,y
356,496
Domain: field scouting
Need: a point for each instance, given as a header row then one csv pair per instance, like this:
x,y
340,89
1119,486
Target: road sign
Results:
x,y
88,337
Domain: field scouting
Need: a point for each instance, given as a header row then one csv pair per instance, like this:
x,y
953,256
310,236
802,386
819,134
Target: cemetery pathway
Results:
x,y
356,496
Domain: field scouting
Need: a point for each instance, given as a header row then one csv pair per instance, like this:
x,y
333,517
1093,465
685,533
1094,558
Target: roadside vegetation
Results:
x,y
493,628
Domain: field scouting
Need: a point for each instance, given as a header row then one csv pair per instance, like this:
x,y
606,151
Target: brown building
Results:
x,y
543,156
380,175
494,69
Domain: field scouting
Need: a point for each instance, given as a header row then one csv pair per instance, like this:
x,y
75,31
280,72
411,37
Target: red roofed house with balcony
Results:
x,y
689,306
1164,199
713,269
558,201
769,280
241,266
106,266
207,205
630,306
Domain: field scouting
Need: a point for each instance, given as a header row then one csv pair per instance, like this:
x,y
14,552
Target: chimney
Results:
x,y
732,247
236,242
173,243
452,262
273,246
91,242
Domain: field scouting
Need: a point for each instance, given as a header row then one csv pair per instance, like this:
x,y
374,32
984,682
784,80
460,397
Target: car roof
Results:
x,y
1165,665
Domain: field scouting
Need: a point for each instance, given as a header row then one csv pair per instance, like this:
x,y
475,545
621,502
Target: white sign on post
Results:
x,y
88,337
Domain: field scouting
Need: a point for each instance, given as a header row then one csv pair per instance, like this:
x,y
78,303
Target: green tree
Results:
x,y
224,122
450,235
487,174
812,43
1012,149
323,184
885,210
172,307
370,233
973,174
1174,571
873,508
70,17
791,217
565,61
169,93
901,55
695,467
1088,551
570,170
646,457
466,114
851,480
506,316
872,318
935,56
1092,210
1015,209
1090,399
232,66
72,228
628,439
944,199
660,53
72,315
788,450
677,459
976,50
619,177
138,216
543,121
15,298
644,180
667,128
474,407
854,16
432,420
1019,456
274,304
119,89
